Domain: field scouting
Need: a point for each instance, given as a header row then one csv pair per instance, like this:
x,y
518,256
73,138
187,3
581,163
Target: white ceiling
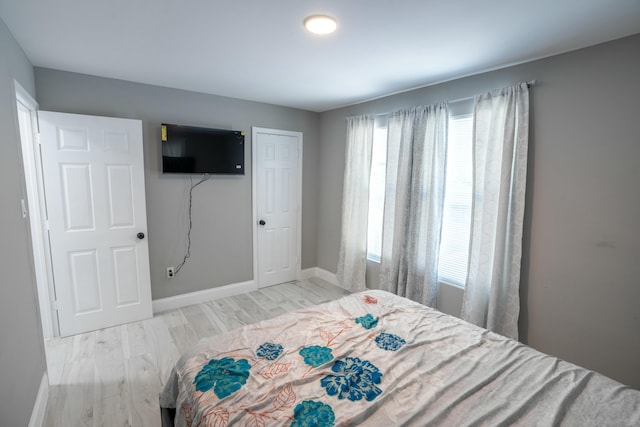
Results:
x,y
259,50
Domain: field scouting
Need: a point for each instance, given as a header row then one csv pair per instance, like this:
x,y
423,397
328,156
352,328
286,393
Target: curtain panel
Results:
x,y
500,143
352,258
414,201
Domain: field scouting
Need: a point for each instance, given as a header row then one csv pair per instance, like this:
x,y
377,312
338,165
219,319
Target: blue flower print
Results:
x,y
225,376
389,342
269,351
316,355
312,414
367,321
355,379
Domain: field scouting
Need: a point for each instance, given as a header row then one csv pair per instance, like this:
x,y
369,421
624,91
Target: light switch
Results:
x,y
23,205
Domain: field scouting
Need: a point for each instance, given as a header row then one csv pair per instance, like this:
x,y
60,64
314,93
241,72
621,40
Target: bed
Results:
x,y
376,359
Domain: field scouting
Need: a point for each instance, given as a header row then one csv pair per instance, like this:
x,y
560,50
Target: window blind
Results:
x,y
456,226
376,193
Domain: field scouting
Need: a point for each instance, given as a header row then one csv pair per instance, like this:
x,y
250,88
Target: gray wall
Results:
x,y
221,251
581,268
22,360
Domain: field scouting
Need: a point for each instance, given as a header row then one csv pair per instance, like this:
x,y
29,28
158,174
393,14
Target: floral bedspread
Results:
x,y
373,358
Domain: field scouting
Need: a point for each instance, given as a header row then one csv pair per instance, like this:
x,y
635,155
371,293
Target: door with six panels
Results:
x,y
95,200
277,174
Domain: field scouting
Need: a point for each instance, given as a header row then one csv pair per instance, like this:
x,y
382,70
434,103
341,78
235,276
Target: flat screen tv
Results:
x,y
195,150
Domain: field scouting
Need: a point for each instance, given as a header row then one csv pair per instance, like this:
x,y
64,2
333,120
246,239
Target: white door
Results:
x,y
277,162
94,191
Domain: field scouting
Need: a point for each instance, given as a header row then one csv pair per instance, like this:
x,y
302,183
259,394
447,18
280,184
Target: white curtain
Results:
x,y
501,129
352,259
414,199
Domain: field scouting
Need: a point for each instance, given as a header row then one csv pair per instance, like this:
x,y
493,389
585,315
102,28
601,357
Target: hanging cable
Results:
x,y
188,252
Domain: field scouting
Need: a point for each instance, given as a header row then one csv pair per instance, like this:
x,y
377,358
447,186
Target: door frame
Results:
x,y
254,197
32,166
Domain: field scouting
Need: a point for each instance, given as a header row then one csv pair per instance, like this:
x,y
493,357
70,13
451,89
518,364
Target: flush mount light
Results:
x,y
320,24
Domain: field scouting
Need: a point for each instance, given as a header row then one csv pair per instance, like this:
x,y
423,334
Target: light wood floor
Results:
x,y
112,377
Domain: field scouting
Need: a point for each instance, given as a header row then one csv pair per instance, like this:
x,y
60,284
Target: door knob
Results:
x,y
140,236
261,222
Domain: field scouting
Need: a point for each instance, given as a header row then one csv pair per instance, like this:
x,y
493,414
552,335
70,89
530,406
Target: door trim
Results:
x,y
37,216
254,199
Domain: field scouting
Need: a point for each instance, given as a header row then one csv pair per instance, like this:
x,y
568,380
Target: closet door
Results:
x,y
277,195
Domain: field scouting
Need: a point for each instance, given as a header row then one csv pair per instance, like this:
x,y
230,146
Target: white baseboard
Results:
x,y
327,275
320,273
40,405
308,273
179,301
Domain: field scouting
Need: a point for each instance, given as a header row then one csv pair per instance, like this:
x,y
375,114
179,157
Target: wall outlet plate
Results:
x,y
170,273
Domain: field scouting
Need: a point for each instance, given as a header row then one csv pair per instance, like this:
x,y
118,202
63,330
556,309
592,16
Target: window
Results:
x,y
376,193
456,227
456,224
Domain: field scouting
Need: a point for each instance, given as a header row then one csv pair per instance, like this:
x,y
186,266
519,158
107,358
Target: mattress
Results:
x,y
376,359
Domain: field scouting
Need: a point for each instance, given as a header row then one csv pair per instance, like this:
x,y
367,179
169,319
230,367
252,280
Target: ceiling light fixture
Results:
x,y
320,24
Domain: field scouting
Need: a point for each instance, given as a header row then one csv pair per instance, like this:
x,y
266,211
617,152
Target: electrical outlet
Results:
x,y
170,273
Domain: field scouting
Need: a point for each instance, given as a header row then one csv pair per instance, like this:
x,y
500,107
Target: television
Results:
x,y
196,150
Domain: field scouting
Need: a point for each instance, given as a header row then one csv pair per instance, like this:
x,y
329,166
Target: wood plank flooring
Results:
x,y
112,377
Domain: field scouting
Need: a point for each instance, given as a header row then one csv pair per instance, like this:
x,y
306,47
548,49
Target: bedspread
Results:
x,y
376,359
